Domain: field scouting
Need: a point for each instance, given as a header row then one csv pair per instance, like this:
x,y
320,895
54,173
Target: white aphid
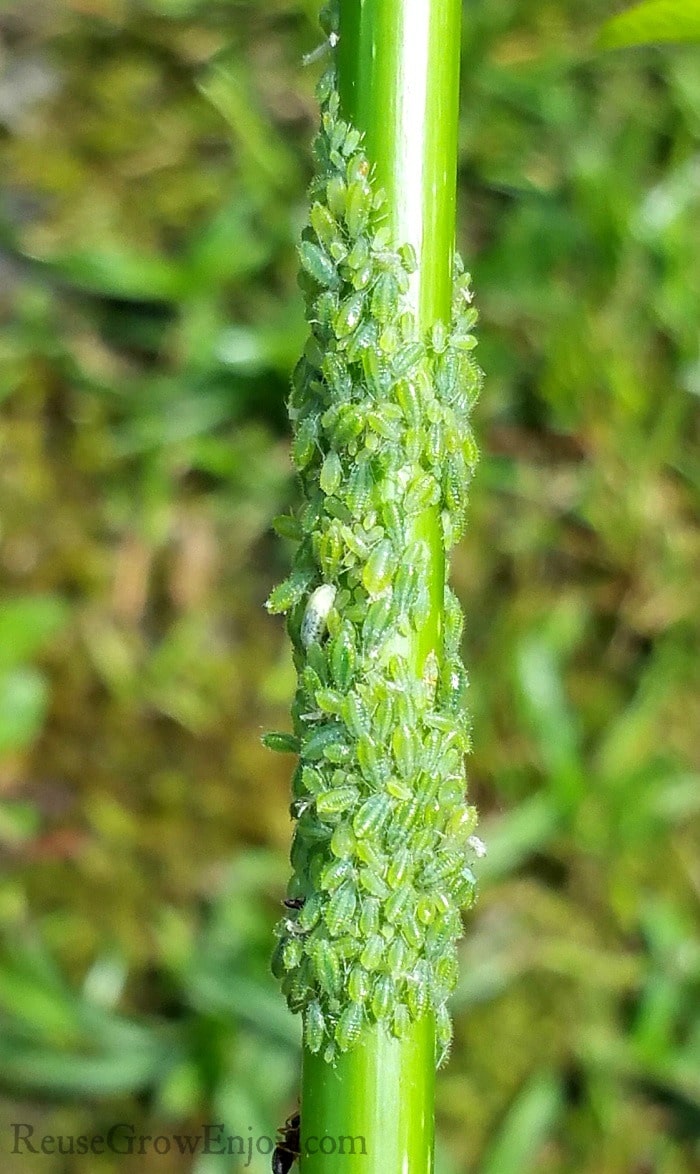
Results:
x,y
320,603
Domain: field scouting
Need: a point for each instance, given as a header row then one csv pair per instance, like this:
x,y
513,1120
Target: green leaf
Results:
x,y
653,22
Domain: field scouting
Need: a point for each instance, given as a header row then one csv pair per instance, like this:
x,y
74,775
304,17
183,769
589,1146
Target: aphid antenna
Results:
x,y
321,50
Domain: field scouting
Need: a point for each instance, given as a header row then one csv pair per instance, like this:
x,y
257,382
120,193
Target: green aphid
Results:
x,y
282,742
329,701
383,997
349,315
339,753
384,423
417,999
399,901
396,959
343,841
453,622
407,358
358,206
425,909
337,376
401,1021
372,761
398,788
358,984
443,1033
373,884
357,170
356,715
336,801
316,743
328,546
314,1027
349,1026
331,473
319,265
305,443
379,569
368,853
400,867
336,195
286,526
389,339
349,425
340,910
369,918
326,966
373,952
409,260
277,959
403,745
355,541
287,594
411,930
342,656
324,225
455,481
408,399
292,953
422,492
385,298
358,488
384,718
363,339
359,254
376,627
334,874
309,913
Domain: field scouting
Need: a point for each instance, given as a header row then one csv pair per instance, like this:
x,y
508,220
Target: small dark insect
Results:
x,y
287,1149
294,902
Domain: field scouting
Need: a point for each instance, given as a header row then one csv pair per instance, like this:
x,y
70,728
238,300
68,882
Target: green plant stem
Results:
x,y
398,76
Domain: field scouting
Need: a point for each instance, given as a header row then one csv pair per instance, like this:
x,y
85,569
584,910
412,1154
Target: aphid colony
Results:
x,y
384,840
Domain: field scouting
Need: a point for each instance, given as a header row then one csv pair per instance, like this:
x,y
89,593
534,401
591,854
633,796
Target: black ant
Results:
x,y
288,1149
294,902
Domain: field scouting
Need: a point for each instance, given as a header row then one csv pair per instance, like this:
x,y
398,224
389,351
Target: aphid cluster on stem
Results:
x,y
384,840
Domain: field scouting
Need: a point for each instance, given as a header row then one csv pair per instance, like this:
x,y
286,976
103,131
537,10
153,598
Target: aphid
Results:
x,y
333,875
356,715
343,656
400,1021
407,358
282,742
407,254
384,718
319,740
411,930
324,225
336,195
336,800
314,1026
369,919
343,842
288,1148
398,902
373,884
349,315
358,205
403,745
385,297
358,984
443,1033
364,339
285,595
358,488
396,958
373,952
340,910
400,867
382,997
326,966
314,622
399,789
376,626
318,264
329,701
379,569
359,253
416,995
292,953
422,492
373,763
348,1026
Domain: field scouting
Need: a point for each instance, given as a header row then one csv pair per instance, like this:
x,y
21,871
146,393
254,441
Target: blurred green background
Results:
x,y
154,156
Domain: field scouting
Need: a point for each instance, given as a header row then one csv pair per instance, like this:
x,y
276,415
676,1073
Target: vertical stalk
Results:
x,y
398,74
